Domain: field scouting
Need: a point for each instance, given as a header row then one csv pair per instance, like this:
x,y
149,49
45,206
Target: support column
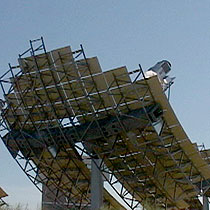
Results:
x,y
205,203
96,185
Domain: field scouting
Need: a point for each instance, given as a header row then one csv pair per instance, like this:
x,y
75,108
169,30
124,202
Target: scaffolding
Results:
x,y
60,110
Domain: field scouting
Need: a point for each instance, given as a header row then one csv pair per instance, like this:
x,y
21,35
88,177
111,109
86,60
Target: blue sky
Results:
x,y
120,33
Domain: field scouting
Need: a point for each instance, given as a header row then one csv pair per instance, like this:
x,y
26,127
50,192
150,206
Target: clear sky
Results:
x,y
119,32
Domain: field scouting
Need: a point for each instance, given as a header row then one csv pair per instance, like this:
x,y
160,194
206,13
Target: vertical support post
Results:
x,y
96,185
205,203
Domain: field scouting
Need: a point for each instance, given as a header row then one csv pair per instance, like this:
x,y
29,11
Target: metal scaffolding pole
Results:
x,y
60,109
96,185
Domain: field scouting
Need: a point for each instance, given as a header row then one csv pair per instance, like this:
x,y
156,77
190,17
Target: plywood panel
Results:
x,y
118,76
126,97
35,80
44,61
178,131
61,56
30,64
94,66
61,75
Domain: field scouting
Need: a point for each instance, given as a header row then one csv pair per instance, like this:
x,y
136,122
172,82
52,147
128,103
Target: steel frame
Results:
x,y
142,163
39,164
2,202
43,171
169,152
